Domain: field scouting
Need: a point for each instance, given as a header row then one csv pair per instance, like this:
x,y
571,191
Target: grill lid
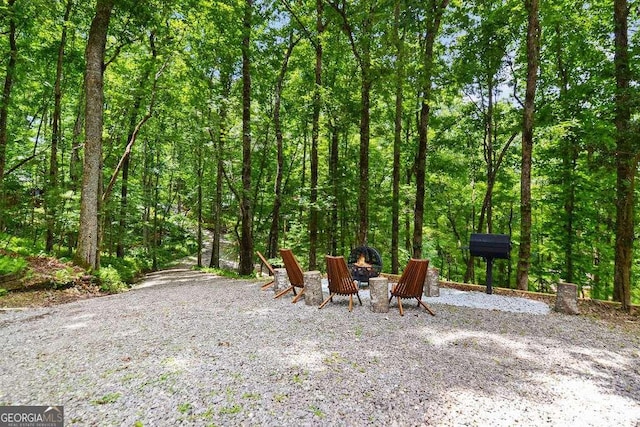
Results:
x,y
490,245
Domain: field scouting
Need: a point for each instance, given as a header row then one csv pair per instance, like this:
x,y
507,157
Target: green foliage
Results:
x,y
19,244
64,276
184,408
317,411
12,264
130,267
106,399
110,280
230,410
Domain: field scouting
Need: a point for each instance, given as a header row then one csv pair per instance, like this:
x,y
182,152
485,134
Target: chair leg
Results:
x,y
420,303
325,301
295,300
267,285
400,306
359,300
350,302
290,288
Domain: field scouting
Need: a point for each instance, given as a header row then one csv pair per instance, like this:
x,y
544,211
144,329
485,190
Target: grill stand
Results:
x,y
489,275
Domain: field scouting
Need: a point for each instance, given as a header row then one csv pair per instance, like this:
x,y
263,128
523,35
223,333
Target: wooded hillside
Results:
x,y
320,125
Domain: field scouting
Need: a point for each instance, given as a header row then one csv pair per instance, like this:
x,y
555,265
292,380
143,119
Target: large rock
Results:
x,y
312,288
281,280
567,298
431,283
379,291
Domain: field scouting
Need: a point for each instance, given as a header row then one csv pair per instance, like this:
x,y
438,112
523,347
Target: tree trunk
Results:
x,y
155,232
315,133
124,188
225,79
335,189
407,218
437,8
51,198
277,200
397,140
199,175
131,137
122,223
485,211
363,192
533,51
87,254
246,239
4,102
75,171
362,53
626,160
569,161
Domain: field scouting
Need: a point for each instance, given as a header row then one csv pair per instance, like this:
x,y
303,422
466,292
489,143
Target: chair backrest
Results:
x,y
265,262
294,271
339,277
411,283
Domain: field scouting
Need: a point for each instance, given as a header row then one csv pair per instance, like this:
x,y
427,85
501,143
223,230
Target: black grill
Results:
x,y
370,256
490,246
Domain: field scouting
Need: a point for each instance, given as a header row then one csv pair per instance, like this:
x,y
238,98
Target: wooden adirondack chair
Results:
x,y
294,271
272,273
340,280
411,283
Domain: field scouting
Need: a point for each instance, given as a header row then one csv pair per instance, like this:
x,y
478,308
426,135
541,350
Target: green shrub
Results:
x,y
23,245
110,280
127,268
11,265
64,277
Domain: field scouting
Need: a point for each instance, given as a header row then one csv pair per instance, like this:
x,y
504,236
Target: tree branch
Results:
x,y
134,135
503,152
23,161
304,29
224,171
346,27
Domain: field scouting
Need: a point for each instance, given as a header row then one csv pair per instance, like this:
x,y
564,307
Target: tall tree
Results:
x,y
434,10
6,94
315,135
220,140
246,238
51,199
482,59
277,201
626,160
359,30
533,52
397,135
87,253
569,160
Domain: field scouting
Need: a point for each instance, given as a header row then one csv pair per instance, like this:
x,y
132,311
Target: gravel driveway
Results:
x,y
187,348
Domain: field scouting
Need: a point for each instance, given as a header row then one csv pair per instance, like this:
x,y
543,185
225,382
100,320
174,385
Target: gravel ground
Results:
x,y
187,348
